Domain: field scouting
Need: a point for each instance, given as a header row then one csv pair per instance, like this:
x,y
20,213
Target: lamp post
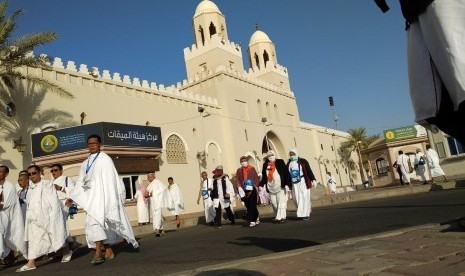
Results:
x,y
264,120
362,174
337,160
19,145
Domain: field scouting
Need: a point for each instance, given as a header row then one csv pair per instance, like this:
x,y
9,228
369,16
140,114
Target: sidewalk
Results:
x,y
430,249
423,250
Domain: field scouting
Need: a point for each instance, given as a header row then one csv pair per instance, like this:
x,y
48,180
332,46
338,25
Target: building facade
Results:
x,y
217,114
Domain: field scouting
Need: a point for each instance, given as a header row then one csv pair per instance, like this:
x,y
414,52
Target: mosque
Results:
x,y
221,111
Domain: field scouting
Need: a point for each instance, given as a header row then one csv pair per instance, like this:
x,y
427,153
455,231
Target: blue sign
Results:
x,y
113,134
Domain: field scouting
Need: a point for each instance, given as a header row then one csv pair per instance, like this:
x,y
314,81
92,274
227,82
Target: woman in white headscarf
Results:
x,y
142,204
275,177
301,176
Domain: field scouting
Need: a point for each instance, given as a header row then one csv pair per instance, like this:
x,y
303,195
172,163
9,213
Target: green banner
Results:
x,y
402,133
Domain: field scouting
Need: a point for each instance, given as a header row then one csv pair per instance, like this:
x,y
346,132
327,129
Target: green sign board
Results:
x,y
404,133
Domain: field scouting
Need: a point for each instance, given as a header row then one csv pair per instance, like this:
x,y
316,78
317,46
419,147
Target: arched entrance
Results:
x,y
272,142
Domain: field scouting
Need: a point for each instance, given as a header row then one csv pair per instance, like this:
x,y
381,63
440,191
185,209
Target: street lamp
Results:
x,y
362,174
264,120
19,145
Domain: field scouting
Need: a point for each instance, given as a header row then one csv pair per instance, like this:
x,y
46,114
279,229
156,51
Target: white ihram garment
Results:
x,y
207,202
402,162
433,162
300,193
435,55
45,229
11,222
159,199
101,193
142,208
278,196
177,200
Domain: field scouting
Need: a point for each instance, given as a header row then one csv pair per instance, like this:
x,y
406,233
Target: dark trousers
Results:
x,y
229,213
399,171
449,120
251,202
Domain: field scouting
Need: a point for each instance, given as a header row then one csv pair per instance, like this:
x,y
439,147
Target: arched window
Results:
x,y
276,112
268,110
175,150
212,29
257,61
266,58
202,35
260,108
381,166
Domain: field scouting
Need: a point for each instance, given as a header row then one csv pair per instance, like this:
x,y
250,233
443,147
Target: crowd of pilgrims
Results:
x,y
34,213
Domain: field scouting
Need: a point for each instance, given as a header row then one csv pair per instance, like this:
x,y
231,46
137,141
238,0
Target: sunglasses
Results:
x,y
32,173
54,170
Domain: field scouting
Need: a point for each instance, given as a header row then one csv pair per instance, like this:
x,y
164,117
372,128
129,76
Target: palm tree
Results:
x,y
21,90
29,117
17,53
358,140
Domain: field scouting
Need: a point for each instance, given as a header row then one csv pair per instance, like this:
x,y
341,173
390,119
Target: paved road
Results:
x,y
194,247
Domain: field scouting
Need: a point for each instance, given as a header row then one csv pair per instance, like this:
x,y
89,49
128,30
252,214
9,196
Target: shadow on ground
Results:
x,y
275,245
230,272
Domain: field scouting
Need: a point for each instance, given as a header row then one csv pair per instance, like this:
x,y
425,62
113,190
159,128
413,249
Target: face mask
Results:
x,y
293,158
244,164
272,158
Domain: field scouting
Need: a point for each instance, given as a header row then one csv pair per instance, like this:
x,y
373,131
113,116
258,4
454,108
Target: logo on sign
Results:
x,y
390,135
49,143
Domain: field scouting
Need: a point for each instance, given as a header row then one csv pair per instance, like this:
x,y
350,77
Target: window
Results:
x,y
175,150
130,186
440,149
212,29
266,58
202,36
246,136
381,165
259,108
455,147
276,112
321,146
268,110
257,62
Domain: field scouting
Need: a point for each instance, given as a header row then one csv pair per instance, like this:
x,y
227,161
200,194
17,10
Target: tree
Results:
x,y
358,141
17,53
28,117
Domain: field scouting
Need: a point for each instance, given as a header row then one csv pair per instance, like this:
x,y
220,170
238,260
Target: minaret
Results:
x,y
264,62
212,47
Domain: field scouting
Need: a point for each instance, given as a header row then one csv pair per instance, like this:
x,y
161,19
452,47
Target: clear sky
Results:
x,y
346,49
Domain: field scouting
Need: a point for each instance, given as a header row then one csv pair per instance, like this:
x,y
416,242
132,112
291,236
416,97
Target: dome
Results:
x,y
258,37
206,6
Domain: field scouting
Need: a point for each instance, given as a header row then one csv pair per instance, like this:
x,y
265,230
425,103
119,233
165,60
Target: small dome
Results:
x,y
206,6
258,37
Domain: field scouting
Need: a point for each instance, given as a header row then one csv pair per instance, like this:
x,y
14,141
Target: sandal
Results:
x,y
67,257
25,268
98,260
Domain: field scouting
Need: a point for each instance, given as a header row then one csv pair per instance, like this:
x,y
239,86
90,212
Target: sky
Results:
x,y
349,50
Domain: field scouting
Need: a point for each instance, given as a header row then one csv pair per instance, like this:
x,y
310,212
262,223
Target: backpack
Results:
x,y
421,161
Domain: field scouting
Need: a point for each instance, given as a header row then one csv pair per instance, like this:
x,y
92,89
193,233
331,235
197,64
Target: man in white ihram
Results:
x,y
403,163
11,221
100,192
159,199
433,163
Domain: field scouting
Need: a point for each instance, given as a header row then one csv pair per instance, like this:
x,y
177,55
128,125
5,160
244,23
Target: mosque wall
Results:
x,y
207,119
